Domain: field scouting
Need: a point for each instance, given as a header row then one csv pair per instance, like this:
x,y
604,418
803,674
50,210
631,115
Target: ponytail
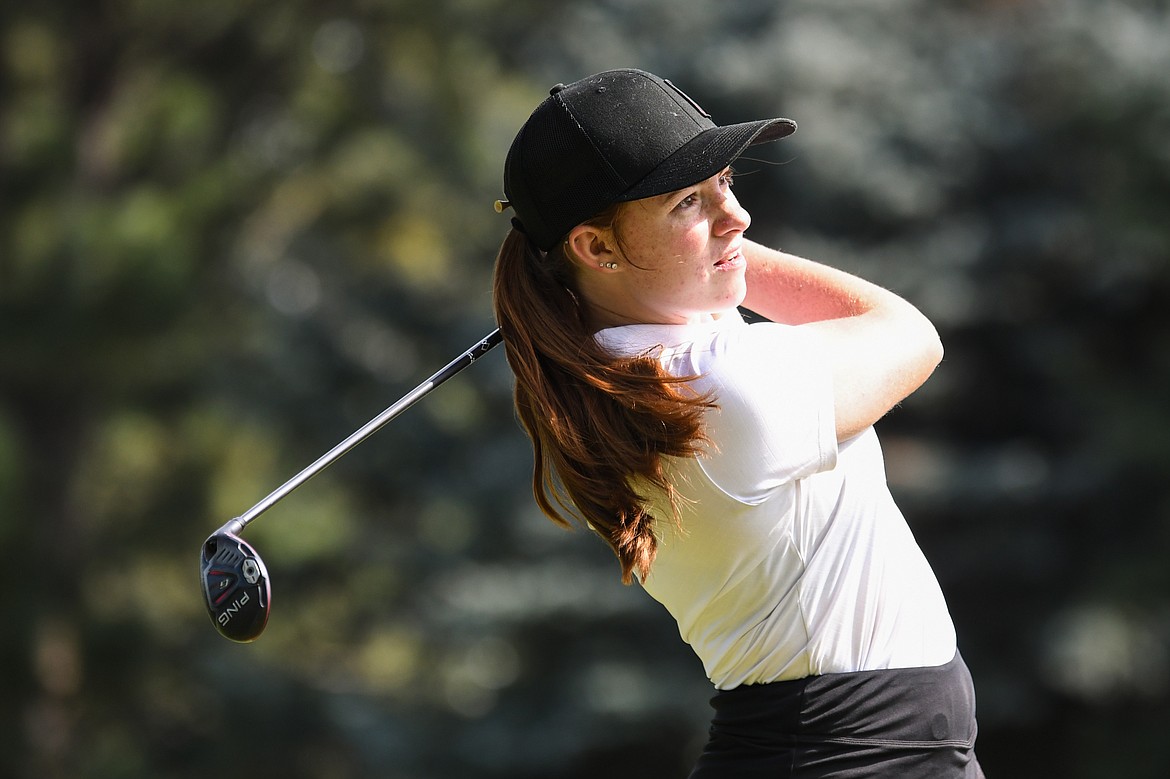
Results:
x,y
600,425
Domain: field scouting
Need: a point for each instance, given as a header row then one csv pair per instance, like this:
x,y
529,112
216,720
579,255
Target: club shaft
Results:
x,y
481,348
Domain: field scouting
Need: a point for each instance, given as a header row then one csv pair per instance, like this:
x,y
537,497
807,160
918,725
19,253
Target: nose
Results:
x,y
732,216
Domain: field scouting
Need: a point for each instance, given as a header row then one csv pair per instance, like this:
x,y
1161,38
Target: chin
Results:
x,y
737,298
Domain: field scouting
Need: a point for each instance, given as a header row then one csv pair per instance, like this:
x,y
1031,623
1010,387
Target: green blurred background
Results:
x,y
232,231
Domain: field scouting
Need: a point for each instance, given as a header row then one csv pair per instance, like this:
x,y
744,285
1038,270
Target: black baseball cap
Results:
x,y
611,137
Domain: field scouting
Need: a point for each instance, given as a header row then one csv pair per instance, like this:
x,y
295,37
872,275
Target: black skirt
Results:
x,y
906,723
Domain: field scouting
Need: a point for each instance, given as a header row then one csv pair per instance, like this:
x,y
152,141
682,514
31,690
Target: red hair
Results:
x,y
600,425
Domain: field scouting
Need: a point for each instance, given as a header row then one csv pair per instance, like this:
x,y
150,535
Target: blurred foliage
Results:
x,y
232,232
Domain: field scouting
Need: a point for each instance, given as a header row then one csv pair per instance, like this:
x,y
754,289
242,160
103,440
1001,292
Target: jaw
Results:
x,y
636,296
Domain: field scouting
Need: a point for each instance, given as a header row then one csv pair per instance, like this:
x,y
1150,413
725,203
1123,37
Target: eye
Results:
x,y
687,201
727,179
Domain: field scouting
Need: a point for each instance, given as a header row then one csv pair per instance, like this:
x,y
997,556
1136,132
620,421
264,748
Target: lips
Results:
x,y
731,261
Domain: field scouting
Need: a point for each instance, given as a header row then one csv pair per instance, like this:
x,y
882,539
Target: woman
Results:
x,y
732,468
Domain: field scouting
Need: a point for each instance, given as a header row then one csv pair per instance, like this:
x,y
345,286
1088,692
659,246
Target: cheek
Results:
x,y
674,250
693,240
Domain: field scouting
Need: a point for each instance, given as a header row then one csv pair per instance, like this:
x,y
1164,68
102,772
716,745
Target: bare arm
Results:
x,y
881,348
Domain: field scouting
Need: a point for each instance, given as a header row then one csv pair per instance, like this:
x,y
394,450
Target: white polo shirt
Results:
x,y
792,559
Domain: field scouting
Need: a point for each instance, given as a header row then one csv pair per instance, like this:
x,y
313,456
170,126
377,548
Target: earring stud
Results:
x,y
609,265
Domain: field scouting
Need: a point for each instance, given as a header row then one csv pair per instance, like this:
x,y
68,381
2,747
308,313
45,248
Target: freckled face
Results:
x,y
681,254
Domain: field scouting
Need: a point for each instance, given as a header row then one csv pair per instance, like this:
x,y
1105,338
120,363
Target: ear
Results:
x,y
591,247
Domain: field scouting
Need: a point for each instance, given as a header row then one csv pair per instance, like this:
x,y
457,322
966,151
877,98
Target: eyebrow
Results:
x,y
665,197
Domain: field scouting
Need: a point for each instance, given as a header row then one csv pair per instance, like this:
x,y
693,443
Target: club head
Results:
x,y
235,586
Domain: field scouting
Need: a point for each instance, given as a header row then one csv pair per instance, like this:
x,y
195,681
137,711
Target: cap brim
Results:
x,y
706,154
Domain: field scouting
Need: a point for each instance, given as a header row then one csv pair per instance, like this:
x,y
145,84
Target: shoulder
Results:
x,y
763,354
728,336
774,420
661,341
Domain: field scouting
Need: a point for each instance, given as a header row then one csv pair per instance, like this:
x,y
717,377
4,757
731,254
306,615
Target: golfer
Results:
x,y
733,468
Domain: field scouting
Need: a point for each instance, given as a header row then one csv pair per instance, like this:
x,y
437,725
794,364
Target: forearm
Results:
x,y
879,347
792,290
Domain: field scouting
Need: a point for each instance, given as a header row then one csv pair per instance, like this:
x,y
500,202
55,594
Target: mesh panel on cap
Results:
x,y
563,176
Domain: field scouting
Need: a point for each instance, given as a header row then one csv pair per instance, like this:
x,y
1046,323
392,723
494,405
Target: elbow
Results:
x,y
924,345
936,350
930,350
922,340
921,361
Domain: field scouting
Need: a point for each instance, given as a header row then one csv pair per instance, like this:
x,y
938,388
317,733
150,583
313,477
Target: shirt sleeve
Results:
x,y
774,422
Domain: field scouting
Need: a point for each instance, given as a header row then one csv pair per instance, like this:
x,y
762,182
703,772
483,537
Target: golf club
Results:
x,y
235,581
